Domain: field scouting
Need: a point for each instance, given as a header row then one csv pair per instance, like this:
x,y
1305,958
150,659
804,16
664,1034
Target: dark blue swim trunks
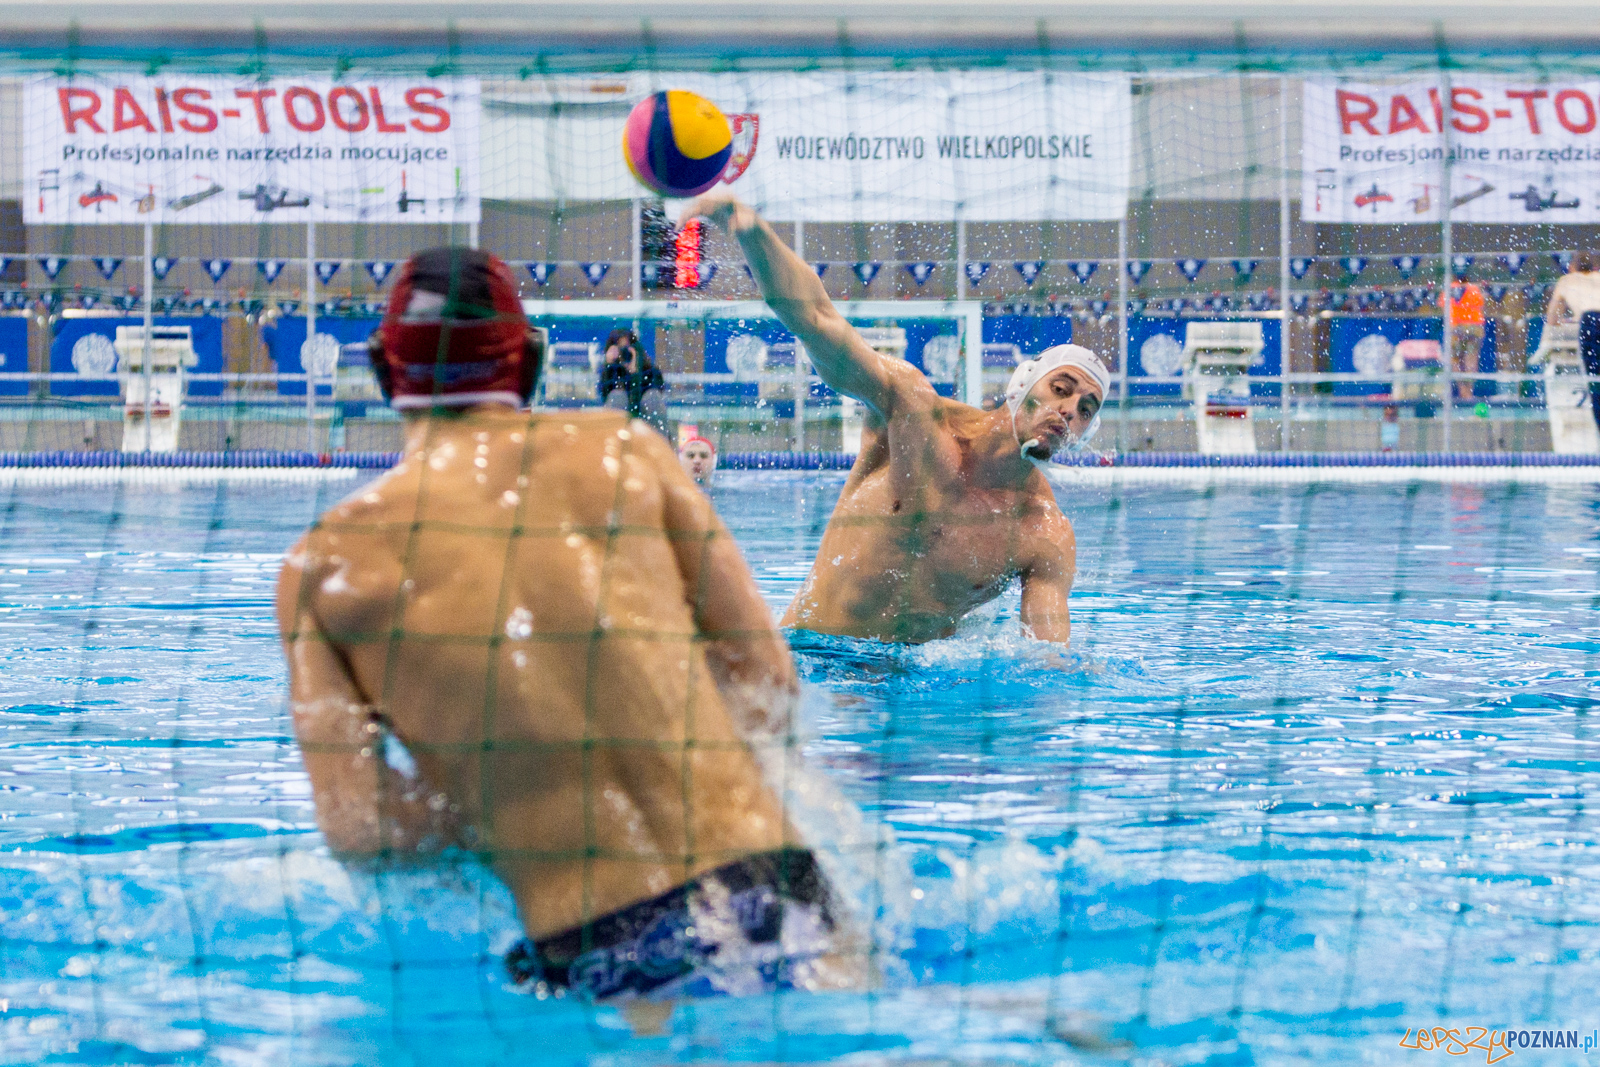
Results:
x,y
681,936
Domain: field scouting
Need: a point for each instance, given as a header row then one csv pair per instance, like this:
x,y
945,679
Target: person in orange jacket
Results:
x,y
1464,306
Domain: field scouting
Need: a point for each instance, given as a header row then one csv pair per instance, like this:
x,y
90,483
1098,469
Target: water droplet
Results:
x,y
519,626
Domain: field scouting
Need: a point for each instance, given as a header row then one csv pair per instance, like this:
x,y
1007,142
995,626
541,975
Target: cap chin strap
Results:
x,y
1074,442
1030,443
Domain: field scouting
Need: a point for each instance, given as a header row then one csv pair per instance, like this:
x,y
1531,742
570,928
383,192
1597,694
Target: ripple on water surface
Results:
x,y
1313,772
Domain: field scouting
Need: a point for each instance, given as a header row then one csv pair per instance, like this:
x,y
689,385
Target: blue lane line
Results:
x,y
812,461
241,458
843,461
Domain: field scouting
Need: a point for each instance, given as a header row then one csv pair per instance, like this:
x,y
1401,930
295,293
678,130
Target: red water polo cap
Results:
x,y
696,439
454,333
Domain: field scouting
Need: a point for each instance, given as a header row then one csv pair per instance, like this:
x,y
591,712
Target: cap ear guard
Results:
x,y
1022,380
538,344
1081,442
380,364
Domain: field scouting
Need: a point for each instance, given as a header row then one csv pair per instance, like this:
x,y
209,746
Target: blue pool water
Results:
x,y
1314,774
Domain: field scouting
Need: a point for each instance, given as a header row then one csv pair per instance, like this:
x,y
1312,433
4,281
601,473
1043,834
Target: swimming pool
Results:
x,y
1315,775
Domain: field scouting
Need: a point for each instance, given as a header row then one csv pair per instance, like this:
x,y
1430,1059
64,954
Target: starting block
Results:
x,y
1217,357
353,378
1566,394
171,352
781,356
570,370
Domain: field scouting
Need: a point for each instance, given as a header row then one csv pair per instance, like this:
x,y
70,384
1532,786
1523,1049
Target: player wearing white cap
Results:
x,y
945,505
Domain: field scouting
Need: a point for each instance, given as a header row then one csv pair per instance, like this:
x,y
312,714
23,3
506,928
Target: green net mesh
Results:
x,y
1119,202
1309,787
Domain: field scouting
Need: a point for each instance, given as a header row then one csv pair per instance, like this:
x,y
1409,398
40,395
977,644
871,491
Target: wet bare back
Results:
x,y
550,617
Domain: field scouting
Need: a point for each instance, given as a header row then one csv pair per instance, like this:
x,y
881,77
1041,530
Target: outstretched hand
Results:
x,y
722,209
793,289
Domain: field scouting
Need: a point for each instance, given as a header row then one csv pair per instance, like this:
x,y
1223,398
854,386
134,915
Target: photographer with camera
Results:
x,y
628,367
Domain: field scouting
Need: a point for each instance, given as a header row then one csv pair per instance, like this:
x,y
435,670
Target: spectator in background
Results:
x,y
1464,306
1510,314
1576,298
627,368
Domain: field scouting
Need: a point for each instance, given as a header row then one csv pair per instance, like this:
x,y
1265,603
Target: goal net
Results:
x,y
1310,785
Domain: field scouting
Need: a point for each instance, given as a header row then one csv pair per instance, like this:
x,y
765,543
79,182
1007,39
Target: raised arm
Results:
x,y
794,292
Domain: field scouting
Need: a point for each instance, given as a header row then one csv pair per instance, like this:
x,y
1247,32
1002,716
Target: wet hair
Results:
x,y
461,275
620,337
1586,262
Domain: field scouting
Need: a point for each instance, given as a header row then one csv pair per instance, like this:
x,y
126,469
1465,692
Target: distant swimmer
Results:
x,y
699,459
944,506
533,640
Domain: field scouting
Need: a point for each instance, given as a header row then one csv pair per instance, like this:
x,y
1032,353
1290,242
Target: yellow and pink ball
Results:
x,y
677,143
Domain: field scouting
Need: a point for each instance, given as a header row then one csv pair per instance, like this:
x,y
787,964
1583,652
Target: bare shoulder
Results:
x,y
306,564
369,502
962,418
372,509
291,583
354,539
588,455
600,421
1047,530
909,389
922,413
596,429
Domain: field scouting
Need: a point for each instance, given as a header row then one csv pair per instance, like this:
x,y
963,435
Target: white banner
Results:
x,y
842,147
218,150
1526,153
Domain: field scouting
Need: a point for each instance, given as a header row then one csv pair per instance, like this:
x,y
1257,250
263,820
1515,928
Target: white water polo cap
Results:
x,y
1029,371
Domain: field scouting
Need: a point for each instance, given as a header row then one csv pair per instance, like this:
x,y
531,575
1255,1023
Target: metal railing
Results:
x,y
765,402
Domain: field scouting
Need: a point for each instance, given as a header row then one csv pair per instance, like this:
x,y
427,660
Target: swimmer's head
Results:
x,y
1054,399
455,335
699,459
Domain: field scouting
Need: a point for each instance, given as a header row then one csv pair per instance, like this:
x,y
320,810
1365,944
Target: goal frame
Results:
x,y
968,314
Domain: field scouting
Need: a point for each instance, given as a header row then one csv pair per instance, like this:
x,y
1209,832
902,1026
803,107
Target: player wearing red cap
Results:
x,y
534,640
944,507
699,459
